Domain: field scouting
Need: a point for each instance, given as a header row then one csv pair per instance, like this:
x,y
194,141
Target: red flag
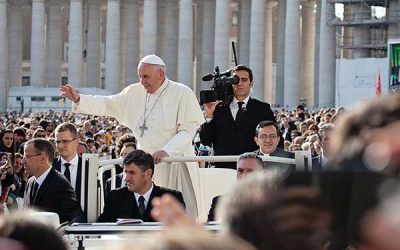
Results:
x,y
378,87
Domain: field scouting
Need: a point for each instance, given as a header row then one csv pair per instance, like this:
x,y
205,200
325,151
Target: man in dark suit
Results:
x,y
120,178
229,129
69,163
267,138
321,162
247,163
47,189
134,200
286,128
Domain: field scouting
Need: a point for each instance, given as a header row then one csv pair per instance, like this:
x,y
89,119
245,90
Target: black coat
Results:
x,y
279,153
211,212
118,181
121,203
77,188
316,163
55,195
229,138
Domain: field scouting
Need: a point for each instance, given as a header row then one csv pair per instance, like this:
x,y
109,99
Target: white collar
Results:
x,y
146,195
235,101
162,87
263,153
74,162
41,178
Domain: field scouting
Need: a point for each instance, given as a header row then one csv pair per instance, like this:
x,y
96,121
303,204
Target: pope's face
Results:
x,y
151,77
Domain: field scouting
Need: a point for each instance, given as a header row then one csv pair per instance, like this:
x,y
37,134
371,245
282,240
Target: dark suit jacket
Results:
x,y
118,181
228,138
121,203
316,163
211,212
279,153
55,195
57,166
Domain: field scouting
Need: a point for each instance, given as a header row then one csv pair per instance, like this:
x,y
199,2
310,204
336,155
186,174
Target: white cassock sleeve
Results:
x,y
189,118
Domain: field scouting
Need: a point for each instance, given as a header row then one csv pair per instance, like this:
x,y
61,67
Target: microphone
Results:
x,y
207,77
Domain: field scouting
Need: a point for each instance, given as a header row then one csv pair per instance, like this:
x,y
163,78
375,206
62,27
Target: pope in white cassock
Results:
x,y
163,116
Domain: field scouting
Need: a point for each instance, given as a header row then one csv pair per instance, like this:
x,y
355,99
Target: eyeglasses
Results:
x,y
64,141
265,137
26,157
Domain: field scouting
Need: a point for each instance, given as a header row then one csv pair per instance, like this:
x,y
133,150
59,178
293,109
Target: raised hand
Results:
x,y
209,108
159,155
69,92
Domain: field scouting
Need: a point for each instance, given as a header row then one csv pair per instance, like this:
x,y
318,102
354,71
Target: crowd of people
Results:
x,y
273,206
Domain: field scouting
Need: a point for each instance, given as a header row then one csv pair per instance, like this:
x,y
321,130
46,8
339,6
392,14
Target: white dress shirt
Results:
x,y
41,178
73,168
234,106
146,196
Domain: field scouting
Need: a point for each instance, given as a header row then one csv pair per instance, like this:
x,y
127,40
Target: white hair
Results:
x,y
156,66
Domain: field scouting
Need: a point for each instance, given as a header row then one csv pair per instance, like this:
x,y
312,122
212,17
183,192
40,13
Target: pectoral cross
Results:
x,y
143,128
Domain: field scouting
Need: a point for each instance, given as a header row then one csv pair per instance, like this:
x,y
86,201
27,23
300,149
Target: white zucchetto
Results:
x,y
152,59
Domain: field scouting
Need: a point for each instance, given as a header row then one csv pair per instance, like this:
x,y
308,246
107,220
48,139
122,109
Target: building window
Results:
x,y
37,99
26,81
103,83
64,80
235,18
18,98
56,98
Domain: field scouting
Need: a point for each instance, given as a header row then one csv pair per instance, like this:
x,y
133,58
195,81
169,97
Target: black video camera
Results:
x,y
221,89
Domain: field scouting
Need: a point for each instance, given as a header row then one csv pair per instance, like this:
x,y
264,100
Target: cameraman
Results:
x,y
230,129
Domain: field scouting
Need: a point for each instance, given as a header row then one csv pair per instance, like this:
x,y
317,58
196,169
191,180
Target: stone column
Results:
x,y
197,35
256,57
221,44
347,32
112,46
325,66
54,44
75,43
244,31
307,52
122,46
288,72
149,41
93,45
160,21
132,40
361,34
185,48
37,43
3,56
269,89
393,13
15,43
168,48
207,40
